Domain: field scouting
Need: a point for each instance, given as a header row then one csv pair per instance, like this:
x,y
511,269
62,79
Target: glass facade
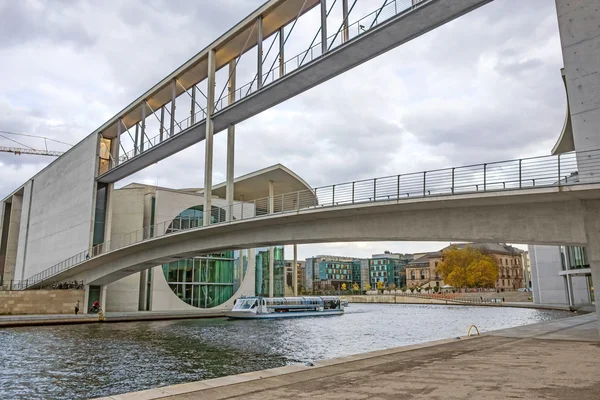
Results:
x,y
209,280
100,213
262,272
193,217
202,282
104,155
573,257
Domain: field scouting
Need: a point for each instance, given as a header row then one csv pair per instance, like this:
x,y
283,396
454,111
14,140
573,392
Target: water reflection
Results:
x,y
83,361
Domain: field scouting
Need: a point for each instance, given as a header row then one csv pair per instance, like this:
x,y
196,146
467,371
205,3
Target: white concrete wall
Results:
x,y
580,290
548,285
62,210
579,26
23,233
128,216
12,241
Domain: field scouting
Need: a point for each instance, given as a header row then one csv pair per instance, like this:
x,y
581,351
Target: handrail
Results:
x,y
544,171
356,29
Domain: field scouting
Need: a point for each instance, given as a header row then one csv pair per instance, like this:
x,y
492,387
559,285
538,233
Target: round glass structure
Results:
x,y
209,280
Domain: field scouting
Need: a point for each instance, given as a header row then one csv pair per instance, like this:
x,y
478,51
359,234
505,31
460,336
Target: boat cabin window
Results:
x,y
245,304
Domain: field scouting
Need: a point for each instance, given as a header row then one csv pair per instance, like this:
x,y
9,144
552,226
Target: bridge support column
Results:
x,y
281,51
259,46
592,230
143,292
229,190
323,26
103,298
345,36
295,271
173,98
208,161
271,272
271,248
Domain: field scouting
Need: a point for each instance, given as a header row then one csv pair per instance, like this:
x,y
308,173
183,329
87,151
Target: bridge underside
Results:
x,y
553,216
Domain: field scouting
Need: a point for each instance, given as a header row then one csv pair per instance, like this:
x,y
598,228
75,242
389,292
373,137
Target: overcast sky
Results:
x,y
485,87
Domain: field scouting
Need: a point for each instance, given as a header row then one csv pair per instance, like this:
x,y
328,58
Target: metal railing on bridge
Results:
x,y
526,173
390,9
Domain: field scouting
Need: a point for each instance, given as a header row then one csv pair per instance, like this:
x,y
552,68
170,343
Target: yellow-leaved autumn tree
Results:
x,y
467,267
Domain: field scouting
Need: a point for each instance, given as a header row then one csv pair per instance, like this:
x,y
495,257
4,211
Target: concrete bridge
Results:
x,y
538,200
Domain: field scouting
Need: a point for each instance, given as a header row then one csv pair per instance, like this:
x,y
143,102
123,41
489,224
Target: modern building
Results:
x,y
331,272
422,271
561,275
389,268
46,222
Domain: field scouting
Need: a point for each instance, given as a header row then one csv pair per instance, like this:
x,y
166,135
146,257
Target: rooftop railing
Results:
x,y
526,173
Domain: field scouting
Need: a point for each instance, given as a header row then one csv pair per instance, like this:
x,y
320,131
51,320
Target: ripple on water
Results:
x,y
83,361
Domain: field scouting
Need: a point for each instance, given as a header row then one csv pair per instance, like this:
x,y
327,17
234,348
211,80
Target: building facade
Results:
x,y
331,272
561,275
389,268
422,271
64,211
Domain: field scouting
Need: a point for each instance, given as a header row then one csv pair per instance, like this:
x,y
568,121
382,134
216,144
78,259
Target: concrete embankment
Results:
x,y
529,362
64,319
384,299
36,302
468,301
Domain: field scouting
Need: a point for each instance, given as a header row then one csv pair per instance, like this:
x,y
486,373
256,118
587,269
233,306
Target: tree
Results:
x,y
392,286
380,285
367,287
355,287
343,286
467,267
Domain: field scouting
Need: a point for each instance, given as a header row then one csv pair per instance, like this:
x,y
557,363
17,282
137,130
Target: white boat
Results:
x,y
285,307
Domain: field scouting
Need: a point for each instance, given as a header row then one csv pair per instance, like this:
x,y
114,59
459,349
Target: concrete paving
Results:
x,y
555,360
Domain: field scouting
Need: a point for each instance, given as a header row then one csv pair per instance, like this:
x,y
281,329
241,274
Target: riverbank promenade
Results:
x,y
554,360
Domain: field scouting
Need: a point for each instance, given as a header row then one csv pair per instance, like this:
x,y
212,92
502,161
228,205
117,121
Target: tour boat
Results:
x,y
285,307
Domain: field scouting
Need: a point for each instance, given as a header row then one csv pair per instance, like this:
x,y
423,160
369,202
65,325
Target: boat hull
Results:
x,y
242,315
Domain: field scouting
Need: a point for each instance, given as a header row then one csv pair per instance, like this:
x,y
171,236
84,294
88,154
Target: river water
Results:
x,y
86,361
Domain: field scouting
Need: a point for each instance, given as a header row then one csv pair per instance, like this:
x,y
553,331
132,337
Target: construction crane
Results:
x,y
28,149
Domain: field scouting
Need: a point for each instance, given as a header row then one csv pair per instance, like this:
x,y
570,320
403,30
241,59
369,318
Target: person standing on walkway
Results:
x,y
77,307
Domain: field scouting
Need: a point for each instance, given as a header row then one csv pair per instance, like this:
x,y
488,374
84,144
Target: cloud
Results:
x,y
482,88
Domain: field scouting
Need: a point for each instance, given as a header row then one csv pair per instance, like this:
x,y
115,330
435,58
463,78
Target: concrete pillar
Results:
x,y
143,290
295,271
103,297
592,230
569,286
345,36
208,162
259,46
229,190
117,143
579,27
193,107
86,298
271,270
143,135
108,218
323,26
281,51
271,198
173,98
136,141
161,129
